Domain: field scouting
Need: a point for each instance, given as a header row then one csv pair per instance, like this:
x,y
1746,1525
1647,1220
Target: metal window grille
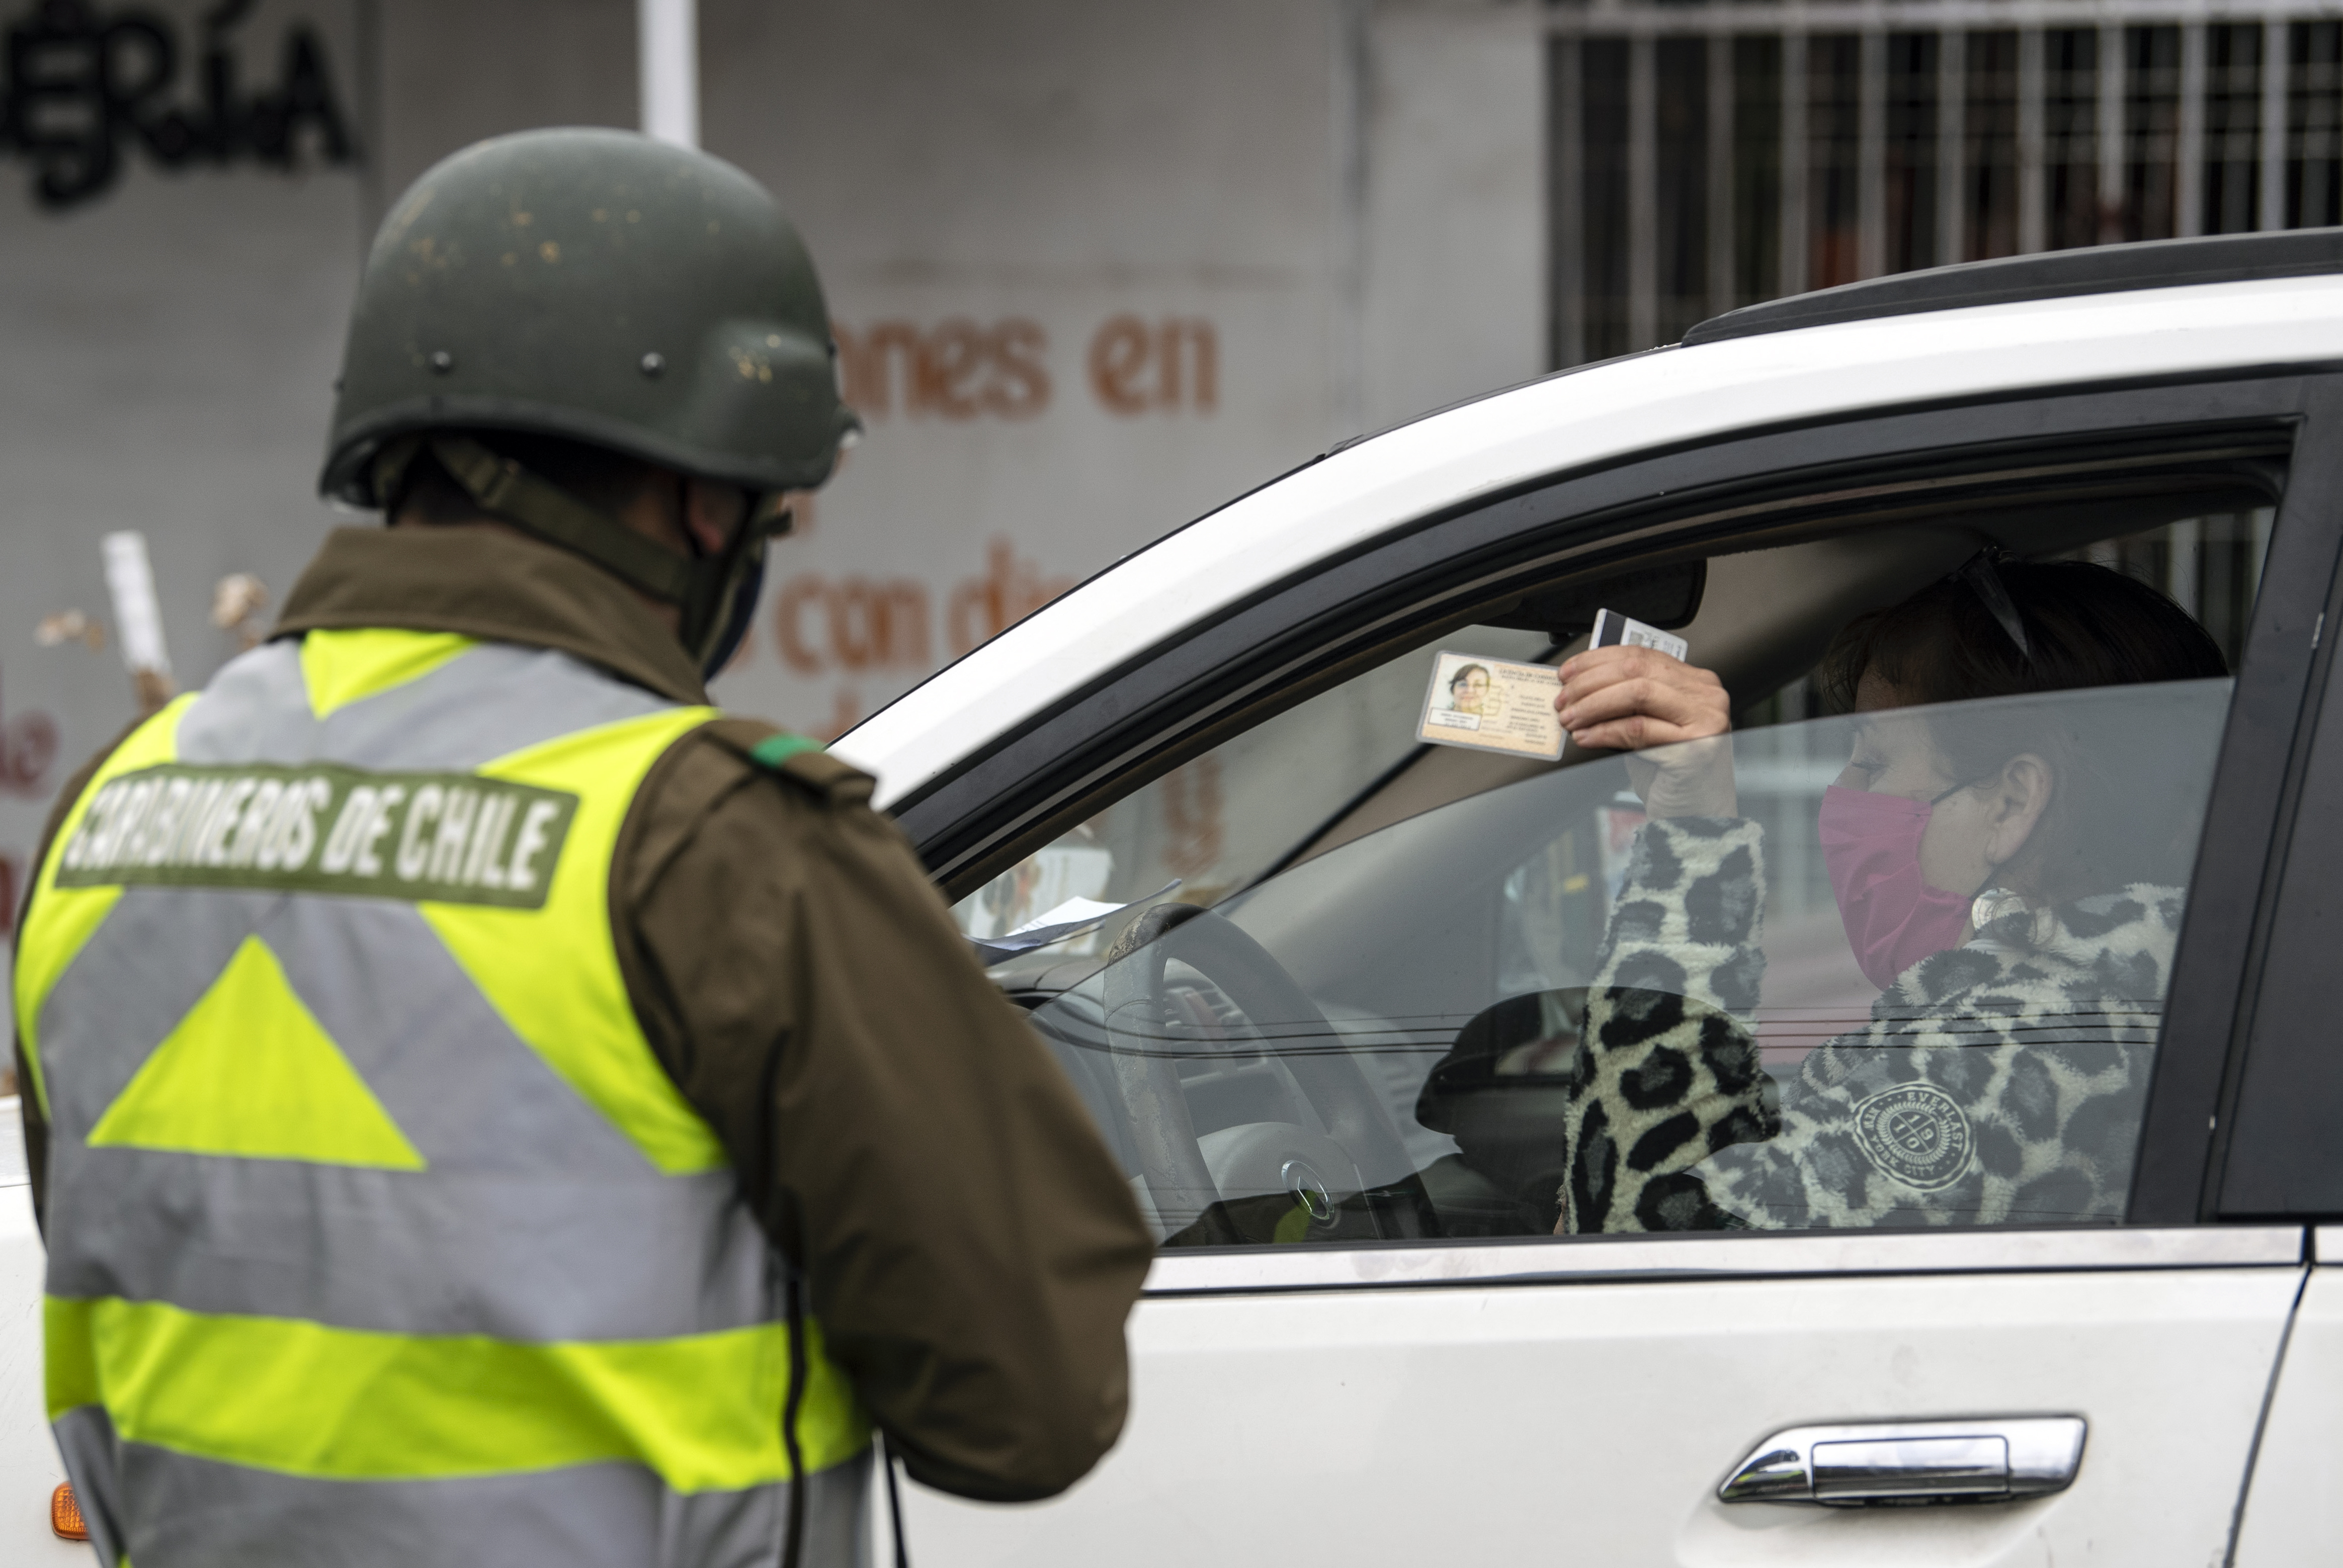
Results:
x,y
1708,154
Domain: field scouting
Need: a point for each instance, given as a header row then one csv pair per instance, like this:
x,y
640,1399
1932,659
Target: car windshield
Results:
x,y
1461,992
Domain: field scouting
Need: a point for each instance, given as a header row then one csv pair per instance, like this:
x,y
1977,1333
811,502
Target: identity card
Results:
x,y
1491,705
1613,629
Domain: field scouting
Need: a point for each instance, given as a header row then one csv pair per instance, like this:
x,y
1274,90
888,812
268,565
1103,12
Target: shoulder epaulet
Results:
x,y
796,758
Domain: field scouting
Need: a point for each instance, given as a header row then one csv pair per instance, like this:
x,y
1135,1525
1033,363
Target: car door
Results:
x,y
2274,1145
1359,1342
2292,1513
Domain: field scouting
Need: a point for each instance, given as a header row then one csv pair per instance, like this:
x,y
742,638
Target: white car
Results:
x,y
1338,1063
1340,1093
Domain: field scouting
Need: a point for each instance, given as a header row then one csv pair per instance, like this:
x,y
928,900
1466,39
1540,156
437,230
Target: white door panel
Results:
x,y
1591,1423
2294,1512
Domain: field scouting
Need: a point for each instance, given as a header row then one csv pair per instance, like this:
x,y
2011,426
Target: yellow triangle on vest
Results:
x,y
250,1072
340,667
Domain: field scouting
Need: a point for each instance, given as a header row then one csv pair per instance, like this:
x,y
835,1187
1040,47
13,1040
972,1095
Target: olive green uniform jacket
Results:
x,y
900,1133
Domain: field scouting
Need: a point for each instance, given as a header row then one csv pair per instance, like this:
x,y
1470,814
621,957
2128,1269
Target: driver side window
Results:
x,y
1414,991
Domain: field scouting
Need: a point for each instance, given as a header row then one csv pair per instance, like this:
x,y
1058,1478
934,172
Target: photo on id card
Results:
x,y
1491,705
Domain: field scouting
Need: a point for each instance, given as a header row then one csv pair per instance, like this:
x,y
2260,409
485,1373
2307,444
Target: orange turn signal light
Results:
x,y
65,1514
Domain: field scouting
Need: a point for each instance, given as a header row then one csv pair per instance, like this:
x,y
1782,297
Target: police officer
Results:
x,y
486,1105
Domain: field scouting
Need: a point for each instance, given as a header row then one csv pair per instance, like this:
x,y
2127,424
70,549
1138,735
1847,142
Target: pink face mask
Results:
x,y
1871,845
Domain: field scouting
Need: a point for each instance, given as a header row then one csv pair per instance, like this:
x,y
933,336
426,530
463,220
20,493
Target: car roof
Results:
x,y
1573,421
2052,275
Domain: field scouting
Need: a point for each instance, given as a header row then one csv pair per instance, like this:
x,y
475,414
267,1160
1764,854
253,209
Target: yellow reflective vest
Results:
x,y
378,1234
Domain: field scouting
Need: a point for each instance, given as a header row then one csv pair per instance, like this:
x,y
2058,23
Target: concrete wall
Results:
x,y
1152,256
448,73
170,345
1455,252
1139,194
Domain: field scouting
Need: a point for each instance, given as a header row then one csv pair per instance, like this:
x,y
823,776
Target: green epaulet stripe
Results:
x,y
775,749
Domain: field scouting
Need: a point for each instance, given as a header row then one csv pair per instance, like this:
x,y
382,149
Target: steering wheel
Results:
x,y
1148,1076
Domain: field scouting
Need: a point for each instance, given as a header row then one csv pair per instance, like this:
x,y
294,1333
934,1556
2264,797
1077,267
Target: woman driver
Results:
x,y
1996,881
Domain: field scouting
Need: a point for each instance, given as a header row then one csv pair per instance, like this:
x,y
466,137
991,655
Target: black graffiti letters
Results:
x,y
80,89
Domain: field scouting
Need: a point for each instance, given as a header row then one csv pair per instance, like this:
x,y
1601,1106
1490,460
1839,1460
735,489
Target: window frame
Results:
x,y
1711,1256
1228,672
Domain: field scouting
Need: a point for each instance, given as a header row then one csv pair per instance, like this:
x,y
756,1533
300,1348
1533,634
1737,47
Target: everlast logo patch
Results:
x,y
445,837
1916,1133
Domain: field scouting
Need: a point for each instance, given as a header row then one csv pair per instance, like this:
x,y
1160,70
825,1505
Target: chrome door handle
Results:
x,y
1906,1461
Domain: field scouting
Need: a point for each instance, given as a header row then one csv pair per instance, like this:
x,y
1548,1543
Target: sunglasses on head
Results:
x,y
1984,580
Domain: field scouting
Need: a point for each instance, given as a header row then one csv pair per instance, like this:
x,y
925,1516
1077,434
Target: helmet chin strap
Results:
x,y
704,591
742,604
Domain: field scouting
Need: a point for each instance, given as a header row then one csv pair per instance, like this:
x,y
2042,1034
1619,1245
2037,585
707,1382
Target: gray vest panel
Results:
x,y
536,1219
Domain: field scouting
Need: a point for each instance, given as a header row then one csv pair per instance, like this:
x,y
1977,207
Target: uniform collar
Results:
x,y
492,584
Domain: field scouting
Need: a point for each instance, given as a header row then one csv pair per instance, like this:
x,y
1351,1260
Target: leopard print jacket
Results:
x,y
1996,1082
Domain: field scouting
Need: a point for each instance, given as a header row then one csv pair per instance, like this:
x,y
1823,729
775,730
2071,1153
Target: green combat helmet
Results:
x,y
606,288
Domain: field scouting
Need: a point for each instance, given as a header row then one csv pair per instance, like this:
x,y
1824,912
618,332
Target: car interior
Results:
x,y
1355,1015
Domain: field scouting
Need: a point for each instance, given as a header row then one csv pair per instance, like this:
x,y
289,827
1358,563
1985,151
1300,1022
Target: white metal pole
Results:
x,y
2111,133
1352,67
2273,137
138,617
1720,167
667,57
2189,156
1952,147
1643,195
1871,153
1794,238
1570,198
2033,152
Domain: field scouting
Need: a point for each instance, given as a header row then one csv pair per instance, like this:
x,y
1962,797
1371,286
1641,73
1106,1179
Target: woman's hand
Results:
x,y
1676,716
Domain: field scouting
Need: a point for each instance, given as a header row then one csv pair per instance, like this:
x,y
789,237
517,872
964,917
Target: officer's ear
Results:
x,y
713,513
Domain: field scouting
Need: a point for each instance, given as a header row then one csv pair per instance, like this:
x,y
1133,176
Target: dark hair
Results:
x,y
604,479
1462,670
2086,626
